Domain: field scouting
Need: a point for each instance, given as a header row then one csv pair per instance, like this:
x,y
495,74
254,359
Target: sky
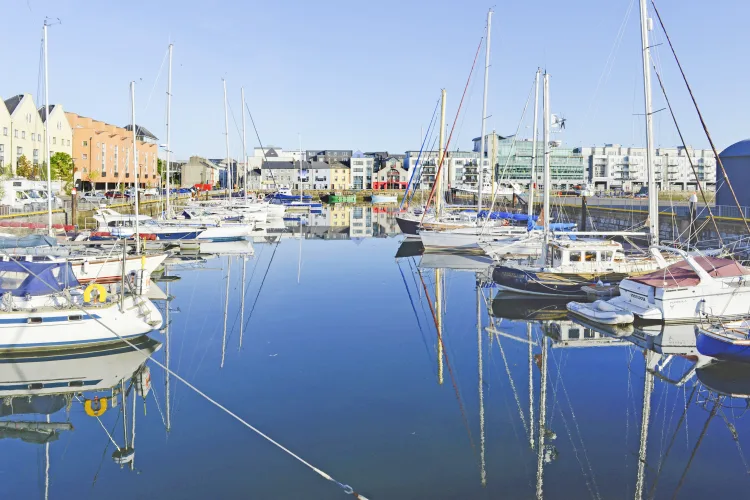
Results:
x,y
336,74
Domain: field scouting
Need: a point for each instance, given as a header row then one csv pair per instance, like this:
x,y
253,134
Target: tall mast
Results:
x,y
530,201
483,471
167,346
299,175
135,167
244,142
441,151
46,134
653,191
169,114
480,179
542,412
226,136
547,182
439,320
648,387
226,311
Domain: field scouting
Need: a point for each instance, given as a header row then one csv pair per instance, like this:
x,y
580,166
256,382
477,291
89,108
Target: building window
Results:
x,y
28,117
36,156
15,133
54,140
5,131
39,137
59,125
19,151
23,134
68,142
85,156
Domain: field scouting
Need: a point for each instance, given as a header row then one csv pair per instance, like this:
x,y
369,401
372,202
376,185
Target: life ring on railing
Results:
x,y
99,288
505,222
95,407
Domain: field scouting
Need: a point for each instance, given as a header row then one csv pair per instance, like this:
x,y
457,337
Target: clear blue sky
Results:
x,y
366,75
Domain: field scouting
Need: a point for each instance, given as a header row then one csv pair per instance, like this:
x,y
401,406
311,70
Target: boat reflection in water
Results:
x,y
98,378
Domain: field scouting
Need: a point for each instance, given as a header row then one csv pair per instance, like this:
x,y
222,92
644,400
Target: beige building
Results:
x,y
199,171
340,177
5,125
26,131
60,133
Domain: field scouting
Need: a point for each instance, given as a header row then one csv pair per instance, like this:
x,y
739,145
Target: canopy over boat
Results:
x,y
35,278
28,241
681,274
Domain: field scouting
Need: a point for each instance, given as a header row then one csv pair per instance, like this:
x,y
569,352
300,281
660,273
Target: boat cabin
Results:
x,y
584,254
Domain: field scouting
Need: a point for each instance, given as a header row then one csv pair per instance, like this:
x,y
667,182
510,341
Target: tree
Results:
x,y
61,167
24,167
93,176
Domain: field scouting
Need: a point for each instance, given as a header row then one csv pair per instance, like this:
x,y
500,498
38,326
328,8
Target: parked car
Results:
x,y
114,195
93,198
151,192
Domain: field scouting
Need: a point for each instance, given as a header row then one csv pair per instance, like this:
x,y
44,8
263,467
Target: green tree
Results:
x,y
61,167
24,168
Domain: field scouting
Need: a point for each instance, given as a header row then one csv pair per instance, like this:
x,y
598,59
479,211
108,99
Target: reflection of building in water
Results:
x,y
338,216
360,222
384,223
567,333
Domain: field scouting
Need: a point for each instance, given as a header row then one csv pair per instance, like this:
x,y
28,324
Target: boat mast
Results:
x,y
648,387
226,136
441,152
542,409
439,319
482,143
299,174
169,113
483,471
530,201
244,141
167,376
135,167
547,182
653,191
226,311
46,134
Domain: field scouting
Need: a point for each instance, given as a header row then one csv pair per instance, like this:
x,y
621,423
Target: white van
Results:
x,y
23,195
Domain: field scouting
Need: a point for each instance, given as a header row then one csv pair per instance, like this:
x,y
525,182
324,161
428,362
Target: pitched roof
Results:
x,y
43,112
141,131
12,102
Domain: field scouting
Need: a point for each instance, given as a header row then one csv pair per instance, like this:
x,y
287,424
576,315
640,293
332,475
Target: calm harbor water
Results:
x,y
338,361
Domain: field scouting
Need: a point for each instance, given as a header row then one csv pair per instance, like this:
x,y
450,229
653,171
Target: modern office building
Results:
x,y
361,171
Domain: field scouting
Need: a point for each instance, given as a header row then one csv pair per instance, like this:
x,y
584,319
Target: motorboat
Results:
x,y
724,341
688,291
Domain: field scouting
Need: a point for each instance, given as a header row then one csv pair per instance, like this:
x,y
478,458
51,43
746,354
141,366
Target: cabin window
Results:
x,y
589,256
575,257
76,317
35,320
36,386
574,333
75,383
606,256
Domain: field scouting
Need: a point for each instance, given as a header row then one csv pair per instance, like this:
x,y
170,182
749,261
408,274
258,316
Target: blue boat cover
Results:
x,y
42,278
506,215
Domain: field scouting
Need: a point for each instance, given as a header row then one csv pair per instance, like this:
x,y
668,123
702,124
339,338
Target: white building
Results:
x,y
361,171
459,167
26,131
616,167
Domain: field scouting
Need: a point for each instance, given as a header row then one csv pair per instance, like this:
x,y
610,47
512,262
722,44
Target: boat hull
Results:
x,y
59,328
547,284
715,346
380,198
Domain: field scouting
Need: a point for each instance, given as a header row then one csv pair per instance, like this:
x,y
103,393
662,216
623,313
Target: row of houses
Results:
x,y
103,154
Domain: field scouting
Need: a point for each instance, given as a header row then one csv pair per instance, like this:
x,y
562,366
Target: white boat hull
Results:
x,y
109,270
50,328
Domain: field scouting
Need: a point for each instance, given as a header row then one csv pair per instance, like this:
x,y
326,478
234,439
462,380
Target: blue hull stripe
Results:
x,y
69,343
46,319
50,385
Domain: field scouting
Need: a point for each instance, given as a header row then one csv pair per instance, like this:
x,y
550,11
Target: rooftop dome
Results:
x,y
741,148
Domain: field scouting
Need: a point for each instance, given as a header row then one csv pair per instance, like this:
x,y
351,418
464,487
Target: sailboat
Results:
x,y
566,266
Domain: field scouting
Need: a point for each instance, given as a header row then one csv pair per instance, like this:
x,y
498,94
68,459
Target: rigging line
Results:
x,y
447,144
421,169
595,492
413,308
262,282
416,164
447,362
663,460
347,489
260,143
507,160
697,445
158,407
735,437
247,287
104,452
700,116
158,75
690,159
512,385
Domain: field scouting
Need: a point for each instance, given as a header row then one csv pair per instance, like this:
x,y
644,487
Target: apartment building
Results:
x,y
60,133
23,135
617,167
361,171
103,154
